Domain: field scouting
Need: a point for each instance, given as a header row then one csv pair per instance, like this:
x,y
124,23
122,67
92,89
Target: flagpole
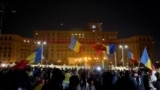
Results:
x,y
41,44
102,62
128,62
138,65
42,54
115,59
133,64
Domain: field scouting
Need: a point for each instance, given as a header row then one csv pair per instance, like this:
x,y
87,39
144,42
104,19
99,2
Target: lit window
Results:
x,y
93,30
36,33
28,41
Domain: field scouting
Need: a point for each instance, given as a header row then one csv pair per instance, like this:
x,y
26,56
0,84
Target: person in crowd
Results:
x,y
107,79
157,83
25,78
146,81
56,81
74,83
65,83
126,82
152,80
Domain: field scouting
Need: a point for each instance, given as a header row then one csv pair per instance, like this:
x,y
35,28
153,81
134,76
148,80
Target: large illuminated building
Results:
x,y
56,51
14,48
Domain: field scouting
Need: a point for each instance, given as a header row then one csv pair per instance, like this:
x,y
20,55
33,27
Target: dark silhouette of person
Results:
x,y
107,78
73,82
56,81
126,82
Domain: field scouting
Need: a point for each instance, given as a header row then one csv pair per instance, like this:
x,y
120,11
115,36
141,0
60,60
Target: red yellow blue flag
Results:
x,y
35,57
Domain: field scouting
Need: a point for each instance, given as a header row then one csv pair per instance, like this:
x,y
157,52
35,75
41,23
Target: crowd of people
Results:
x,y
45,78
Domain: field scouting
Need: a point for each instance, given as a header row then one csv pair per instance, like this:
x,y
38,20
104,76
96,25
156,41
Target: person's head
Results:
x,y
74,81
57,75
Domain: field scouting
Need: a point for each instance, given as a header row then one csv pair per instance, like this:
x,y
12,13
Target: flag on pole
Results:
x,y
146,60
99,48
110,49
75,45
21,65
131,56
34,57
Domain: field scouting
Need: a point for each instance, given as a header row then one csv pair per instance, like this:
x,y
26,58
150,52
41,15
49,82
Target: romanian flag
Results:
x,y
131,56
21,65
146,60
34,57
110,49
75,45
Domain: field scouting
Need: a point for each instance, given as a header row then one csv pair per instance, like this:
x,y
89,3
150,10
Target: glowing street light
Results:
x,y
42,44
122,47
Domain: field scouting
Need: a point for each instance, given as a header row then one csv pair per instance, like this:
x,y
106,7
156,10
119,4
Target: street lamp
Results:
x,y
2,11
122,47
42,44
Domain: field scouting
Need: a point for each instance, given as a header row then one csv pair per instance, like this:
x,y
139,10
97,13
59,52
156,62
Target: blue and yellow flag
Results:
x,y
75,45
146,60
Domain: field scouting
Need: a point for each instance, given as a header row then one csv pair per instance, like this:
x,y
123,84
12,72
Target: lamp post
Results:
x,y
2,11
122,47
42,44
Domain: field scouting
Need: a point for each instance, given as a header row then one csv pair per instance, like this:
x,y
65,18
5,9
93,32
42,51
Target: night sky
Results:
x,y
128,18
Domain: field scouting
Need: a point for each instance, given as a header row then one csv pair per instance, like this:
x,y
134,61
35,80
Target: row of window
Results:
x,y
5,55
5,48
5,38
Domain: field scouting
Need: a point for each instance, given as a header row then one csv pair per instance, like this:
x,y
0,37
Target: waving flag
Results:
x,y
34,57
110,49
99,48
75,45
146,60
131,56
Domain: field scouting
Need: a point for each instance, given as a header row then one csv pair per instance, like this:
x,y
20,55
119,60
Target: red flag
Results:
x,y
153,69
21,65
34,57
132,57
99,48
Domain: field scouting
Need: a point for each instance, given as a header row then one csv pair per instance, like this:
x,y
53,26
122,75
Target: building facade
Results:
x,y
57,51
14,48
